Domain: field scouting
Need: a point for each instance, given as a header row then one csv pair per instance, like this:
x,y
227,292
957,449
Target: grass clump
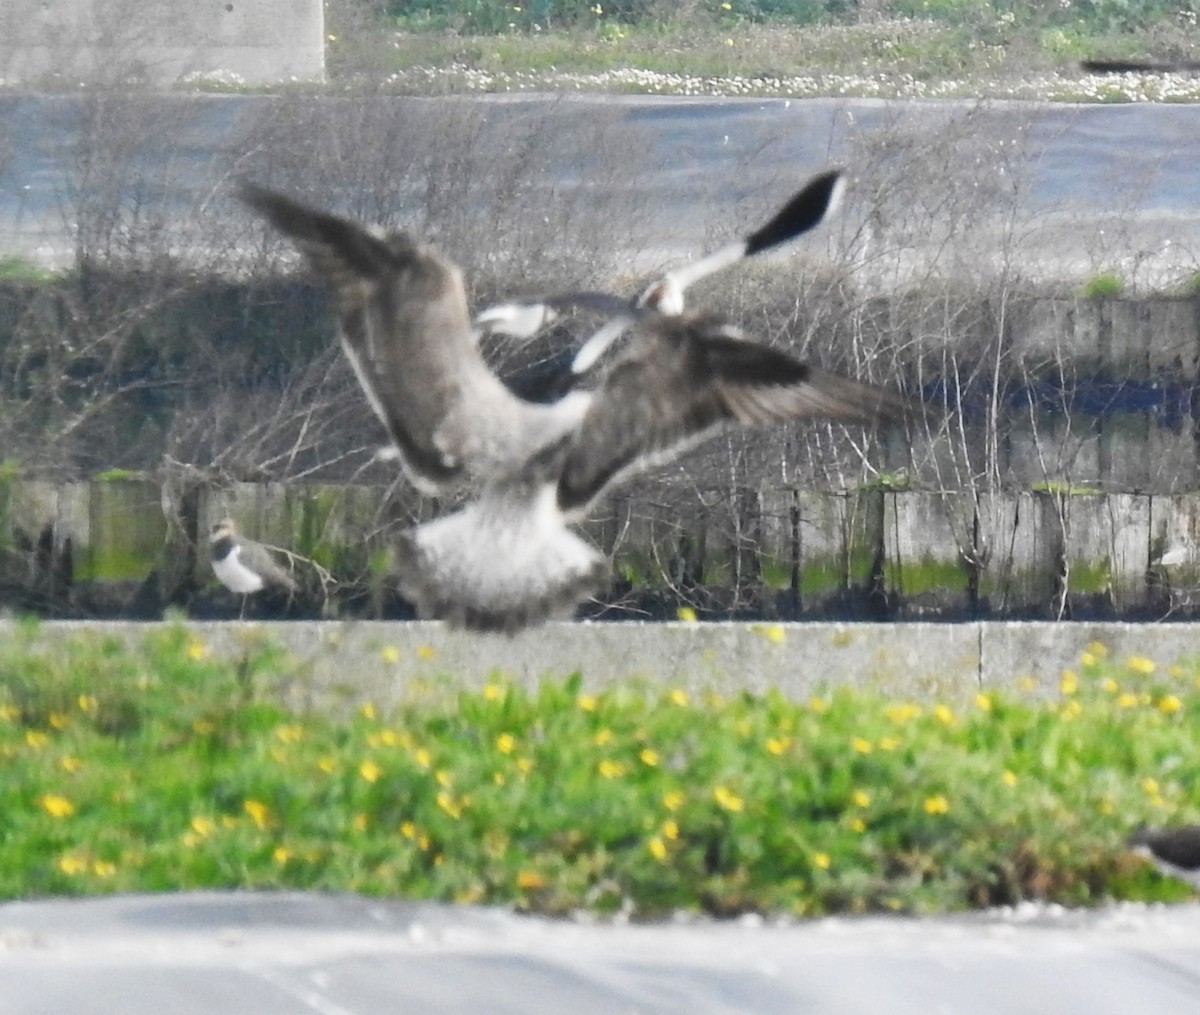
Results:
x,y
160,767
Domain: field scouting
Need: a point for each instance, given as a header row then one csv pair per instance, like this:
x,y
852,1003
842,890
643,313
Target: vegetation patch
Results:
x,y
162,767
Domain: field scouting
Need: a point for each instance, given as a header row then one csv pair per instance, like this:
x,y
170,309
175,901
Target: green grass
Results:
x,y
161,767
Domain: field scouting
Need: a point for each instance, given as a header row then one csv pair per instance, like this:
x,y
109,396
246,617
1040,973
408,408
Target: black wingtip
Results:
x,y
808,208
1135,67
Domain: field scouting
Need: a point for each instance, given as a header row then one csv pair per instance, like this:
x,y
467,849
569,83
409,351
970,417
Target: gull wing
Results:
x,y
681,378
403,322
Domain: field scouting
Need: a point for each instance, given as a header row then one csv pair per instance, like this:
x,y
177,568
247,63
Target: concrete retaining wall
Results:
x,y
351,663
161,42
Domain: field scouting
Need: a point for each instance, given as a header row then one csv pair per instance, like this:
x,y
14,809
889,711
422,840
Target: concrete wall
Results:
x,y
346,663
161,42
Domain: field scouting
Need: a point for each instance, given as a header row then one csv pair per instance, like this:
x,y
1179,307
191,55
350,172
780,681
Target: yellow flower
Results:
x,y
889,743
58,721
678,696
289,734
587,703
945,715
327,764
103,868
673,799
390,654
281,855
611,769
70,764
1087,660
1072,709
936,805
603,737
1098,649
361,821
524,765
1009,778
444,779
862,746
728,42
1151,787
10,712
686,614
259,812
1110,685
369,711
727,799
1105,806
448,804
670,829
426,652
1140,664
528,880
858,825
649,757
71,864
422,757
1127,700
822,861
56,806
87,703
1069,683
203,827
818,705
861,798
726,6
774,633
506,743
370,771
658,848
903,712
36,739
1169,705
778,745
493,692
197,651
408,830
983,702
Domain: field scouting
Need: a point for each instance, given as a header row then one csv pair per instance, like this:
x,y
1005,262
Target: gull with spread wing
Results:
x,y
509,558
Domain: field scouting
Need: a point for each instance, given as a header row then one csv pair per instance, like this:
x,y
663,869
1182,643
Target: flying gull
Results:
x,y
509,558
816,201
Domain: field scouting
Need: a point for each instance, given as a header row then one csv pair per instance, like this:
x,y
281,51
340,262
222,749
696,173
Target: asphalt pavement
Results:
x,y
293,953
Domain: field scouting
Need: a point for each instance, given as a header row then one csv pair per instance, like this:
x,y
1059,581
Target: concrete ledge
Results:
x,y
380,661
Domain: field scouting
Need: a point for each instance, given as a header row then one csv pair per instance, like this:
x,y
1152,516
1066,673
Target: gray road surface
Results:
x,y
1071,167
289,954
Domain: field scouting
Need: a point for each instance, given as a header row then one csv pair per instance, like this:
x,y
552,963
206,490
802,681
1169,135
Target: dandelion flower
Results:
x,y
686,614
678,696
369,711
390,654
670,829
936,805
1169,705
197,651
529,879
1127,700
822,861
426,652
56,806
203,826
658,848
727,799
860,798
506,743
778,745
649,757
493,692
281,855
104,868
70,864
673,800
259,812
945,715
861,745
36,739
983,702
1069,683
587,703
1009,778
603,737
611,769
1140,664
370,771
72,764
